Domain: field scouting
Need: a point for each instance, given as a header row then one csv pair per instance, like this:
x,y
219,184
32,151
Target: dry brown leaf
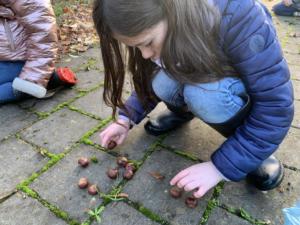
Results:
x,y
122,195
157,175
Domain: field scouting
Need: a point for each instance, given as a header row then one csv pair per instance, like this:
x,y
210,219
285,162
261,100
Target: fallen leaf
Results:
x,y
122,195
157,175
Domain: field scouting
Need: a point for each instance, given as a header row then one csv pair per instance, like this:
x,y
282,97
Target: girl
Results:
x,y
219,61
28,47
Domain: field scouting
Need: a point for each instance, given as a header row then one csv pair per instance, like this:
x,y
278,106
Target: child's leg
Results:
x,y
168,90
8,72
283,10
216,102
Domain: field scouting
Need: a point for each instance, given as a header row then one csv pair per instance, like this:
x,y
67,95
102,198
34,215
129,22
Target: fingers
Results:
x,y
201,191
184,181
179,176
191,186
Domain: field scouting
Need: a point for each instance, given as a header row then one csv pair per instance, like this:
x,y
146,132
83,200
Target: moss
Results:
x,y
212,203
58,212
180,152
94,159
243,214
148,213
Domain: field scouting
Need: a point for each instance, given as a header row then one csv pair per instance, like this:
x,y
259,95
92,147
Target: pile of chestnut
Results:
x,y
124,166
190,201
83,182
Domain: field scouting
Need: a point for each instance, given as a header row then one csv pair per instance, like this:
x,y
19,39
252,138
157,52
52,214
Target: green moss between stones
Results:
x,y
243,214
58,212
212,203
180,152
148,213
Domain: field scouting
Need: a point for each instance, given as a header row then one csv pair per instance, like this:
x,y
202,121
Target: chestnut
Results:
x,y
111,145
93,190
112,173
83,183
128,174
122,161
130,166
191,202
175,192
83,161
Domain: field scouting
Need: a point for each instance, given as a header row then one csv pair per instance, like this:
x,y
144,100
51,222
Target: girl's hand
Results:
x,y
116,132
202,176
287,2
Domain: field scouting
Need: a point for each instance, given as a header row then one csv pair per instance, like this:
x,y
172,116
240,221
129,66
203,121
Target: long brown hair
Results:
x,y
190,53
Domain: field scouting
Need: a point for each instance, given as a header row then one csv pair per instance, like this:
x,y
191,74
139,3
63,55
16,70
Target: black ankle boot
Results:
x,y
270,173
168,120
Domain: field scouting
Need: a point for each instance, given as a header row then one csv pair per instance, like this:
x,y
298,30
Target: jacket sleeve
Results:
x,y
135,110
251,44
38,19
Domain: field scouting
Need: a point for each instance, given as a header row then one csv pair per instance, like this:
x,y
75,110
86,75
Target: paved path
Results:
x,y
41,141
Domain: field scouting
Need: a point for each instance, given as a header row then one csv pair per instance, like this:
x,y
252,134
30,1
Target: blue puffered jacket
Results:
x,y
249,39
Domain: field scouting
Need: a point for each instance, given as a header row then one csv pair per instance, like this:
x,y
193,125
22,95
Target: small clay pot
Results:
x,y
128,174
83,183
176,192
83,162
191,202
122,161
93,190
112,173
111,145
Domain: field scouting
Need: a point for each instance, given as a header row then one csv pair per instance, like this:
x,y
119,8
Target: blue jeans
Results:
x,y
214,102
282,10
9,70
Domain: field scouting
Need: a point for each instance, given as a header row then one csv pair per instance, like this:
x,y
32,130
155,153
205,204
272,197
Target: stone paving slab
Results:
x,y
26,211
122,214
295,71
195,138
78,61
261,206
89,79
18,161
59,184
296,85
59,131
288,151
13,119
135,145
92,103
153,194
296,121
222,217
46,105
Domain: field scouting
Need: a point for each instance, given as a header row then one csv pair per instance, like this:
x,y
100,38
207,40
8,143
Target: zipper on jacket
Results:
x,y
9,35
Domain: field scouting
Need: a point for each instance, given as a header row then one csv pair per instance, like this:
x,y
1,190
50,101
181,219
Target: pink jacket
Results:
x,y
28,33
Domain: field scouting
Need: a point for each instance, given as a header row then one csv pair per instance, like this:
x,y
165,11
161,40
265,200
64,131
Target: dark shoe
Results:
x,y
167,121
268,176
